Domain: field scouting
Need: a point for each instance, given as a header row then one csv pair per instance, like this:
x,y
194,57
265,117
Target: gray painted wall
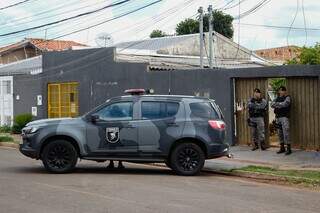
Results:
x,y
100,78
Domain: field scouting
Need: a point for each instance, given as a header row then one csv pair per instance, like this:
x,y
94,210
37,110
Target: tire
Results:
x,y
187,159
59,157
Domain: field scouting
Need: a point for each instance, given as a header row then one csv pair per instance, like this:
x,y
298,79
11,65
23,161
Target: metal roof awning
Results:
x,y
31,66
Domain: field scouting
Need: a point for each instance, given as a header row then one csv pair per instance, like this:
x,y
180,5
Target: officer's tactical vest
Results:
x,y
255,113
282,112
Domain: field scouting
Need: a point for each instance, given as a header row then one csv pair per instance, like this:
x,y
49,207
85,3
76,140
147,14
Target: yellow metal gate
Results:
x,y
243,91
63,100
305,112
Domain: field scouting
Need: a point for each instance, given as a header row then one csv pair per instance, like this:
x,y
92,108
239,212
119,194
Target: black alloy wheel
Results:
x,y
187,159
59,156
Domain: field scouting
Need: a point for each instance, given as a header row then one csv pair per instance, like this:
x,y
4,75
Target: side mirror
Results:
x,y
94,118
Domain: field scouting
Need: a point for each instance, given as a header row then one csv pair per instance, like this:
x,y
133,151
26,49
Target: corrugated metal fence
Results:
x,y
305,112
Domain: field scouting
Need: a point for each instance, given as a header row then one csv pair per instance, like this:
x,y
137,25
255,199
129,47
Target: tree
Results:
x,y
157,34
308,55
222,23
276,83
188,26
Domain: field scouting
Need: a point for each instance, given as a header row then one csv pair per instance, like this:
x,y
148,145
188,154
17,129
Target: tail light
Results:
x,y
216,124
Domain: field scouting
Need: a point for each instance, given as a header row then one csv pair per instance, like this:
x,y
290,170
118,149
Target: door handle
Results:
x,y
172,124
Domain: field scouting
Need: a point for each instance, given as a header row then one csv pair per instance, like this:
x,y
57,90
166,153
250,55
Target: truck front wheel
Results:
x,y
59,156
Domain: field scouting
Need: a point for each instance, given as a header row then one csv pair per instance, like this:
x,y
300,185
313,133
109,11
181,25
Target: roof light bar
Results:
x,y
135,91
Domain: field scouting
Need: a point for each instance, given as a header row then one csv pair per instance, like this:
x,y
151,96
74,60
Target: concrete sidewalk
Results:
x,y
243,156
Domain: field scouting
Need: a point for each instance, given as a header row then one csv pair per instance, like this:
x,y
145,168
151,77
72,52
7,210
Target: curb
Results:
x,y
9,144
250,175
256,176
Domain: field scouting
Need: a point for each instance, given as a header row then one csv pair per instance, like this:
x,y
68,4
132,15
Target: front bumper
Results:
x,y
218,150
28,151
28,148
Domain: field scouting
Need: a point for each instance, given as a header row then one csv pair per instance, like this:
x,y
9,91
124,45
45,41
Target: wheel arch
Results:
x,y
196,141
70,139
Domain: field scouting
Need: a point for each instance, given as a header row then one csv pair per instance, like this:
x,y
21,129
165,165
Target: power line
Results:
x,y
15,4
40,13
114,18
305,23
235,5
156,19
227,4
293,20
57,25
253,9
49,16
65,19
279,27
103,22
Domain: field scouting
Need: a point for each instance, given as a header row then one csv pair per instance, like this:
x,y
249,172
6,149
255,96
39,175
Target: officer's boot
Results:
x,y
263,145
255,147
282,149
288,152
111,165
120,165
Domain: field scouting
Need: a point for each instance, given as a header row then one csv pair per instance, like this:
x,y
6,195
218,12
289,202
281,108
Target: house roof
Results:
x,y
279,54
41,44
182,52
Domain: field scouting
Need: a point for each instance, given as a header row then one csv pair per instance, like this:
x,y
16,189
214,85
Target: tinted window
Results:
x,y
156,110
117,111
203,110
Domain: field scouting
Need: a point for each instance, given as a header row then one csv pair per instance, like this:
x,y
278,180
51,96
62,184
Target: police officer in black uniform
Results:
x,y
257,108
281,107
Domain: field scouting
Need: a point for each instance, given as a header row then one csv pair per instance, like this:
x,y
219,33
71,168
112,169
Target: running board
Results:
x,y
142,160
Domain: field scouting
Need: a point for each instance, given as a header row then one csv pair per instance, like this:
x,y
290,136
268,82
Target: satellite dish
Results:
x,y
104,40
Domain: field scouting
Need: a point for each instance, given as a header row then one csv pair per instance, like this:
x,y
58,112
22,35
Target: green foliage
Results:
x,y
188,26
308,55
20,121
222,24
5,138
303,177
5,129
277,82
157,34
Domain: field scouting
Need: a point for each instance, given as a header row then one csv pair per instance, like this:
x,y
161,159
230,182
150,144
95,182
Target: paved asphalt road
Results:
x,y
26,187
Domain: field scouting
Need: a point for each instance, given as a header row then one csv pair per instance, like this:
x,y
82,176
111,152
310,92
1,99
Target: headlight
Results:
x,y
30,130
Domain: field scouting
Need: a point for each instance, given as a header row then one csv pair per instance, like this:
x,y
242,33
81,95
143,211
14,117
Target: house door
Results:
x,y
63,100
243,91
6,100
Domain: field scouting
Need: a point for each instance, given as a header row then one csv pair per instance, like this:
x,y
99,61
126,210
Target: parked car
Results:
x,y
181,131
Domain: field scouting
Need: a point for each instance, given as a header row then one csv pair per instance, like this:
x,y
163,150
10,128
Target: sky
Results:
x,y
164,16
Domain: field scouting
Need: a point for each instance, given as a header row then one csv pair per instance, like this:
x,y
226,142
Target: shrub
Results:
x,y
20,121
5,129
4,138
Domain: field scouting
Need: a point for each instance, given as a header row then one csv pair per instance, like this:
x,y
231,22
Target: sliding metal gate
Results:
x,y
243,91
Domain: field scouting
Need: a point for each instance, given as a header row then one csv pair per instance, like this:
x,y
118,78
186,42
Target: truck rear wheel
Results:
x,y
187,159
59,156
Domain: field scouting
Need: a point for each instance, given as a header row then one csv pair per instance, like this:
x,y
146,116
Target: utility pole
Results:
x,y
210,36
201,35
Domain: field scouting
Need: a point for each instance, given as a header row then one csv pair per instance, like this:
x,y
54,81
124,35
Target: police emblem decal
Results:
x,y
112,134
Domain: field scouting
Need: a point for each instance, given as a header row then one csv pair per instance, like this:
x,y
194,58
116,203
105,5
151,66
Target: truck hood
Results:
x,y
53,121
